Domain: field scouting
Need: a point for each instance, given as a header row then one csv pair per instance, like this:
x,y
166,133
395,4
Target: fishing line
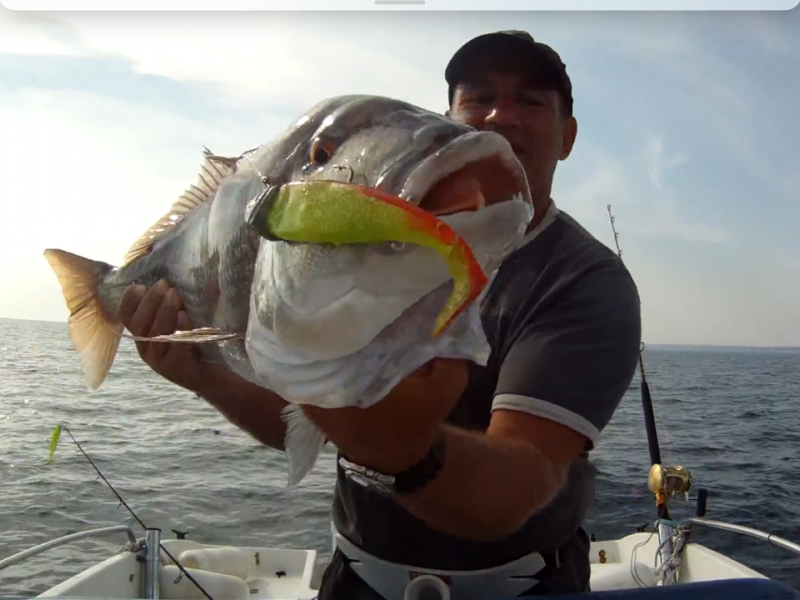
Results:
x,y
647,402
134,515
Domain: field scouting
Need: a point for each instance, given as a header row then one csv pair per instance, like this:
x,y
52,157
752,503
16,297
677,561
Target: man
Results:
x,y
490,464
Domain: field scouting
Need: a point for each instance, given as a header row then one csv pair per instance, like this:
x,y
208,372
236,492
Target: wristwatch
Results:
x,y
412,479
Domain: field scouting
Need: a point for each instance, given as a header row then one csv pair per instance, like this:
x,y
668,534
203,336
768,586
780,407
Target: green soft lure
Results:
x,y
330,212
53,443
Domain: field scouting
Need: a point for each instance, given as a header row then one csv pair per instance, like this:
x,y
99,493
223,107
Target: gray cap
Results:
x,y
541,58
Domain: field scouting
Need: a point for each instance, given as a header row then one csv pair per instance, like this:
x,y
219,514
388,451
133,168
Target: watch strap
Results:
x,y
412,479
419,475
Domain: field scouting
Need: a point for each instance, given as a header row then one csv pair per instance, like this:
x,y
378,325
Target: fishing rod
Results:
x,y
662,481
647,402
54,442
666,482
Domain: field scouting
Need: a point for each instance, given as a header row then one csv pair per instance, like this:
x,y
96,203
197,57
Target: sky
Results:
x,y
687,126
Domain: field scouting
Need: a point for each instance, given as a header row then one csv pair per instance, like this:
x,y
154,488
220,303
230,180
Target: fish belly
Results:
x,y
364,377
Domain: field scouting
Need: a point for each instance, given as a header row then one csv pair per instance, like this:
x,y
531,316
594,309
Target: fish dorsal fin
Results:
x,y
213,170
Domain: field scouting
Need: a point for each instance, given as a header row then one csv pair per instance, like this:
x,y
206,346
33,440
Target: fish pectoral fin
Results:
x,y
303,443
213,170
94,331
202,335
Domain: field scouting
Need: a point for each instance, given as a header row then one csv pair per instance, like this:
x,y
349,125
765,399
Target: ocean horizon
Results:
x,y
654,346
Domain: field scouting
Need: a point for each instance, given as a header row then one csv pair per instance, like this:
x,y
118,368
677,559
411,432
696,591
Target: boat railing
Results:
x,y
748,531
149,547
674,483
69,539
700,519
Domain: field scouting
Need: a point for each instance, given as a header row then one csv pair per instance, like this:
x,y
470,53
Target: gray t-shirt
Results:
x,y
563,320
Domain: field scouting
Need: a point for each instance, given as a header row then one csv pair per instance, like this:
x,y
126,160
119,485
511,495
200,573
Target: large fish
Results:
x,y
309,268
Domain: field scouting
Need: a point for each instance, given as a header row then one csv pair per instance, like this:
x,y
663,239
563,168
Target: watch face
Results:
x,y
371,484
369,478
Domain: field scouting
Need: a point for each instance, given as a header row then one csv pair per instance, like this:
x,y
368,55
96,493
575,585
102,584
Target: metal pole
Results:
x,y
152,540
665,532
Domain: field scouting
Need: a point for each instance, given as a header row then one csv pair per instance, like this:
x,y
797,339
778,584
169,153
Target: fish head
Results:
x,y
397,147
325,301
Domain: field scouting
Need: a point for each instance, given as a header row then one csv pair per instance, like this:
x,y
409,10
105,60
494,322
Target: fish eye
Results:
x,y
321,151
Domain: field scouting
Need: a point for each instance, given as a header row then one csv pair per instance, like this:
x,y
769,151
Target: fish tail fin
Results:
x,y
95,333
303,443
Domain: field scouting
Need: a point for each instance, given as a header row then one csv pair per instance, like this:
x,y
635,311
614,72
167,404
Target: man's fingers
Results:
x,y
165,322
176,354
130,302
166,319
184,323
142,320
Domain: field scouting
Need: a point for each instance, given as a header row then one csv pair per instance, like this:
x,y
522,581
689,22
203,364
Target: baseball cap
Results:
x,y
541,58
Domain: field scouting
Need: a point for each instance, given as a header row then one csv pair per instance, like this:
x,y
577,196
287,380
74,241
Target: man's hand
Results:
x,y
158,311
397,432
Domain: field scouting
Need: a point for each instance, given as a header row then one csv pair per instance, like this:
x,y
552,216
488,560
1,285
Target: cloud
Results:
x,y
38,34
635,183
667,217
686,127
89,174
712,79
264,58
654,149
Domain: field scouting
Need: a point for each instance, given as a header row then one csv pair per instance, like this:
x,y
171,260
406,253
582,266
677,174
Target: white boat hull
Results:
x,y
281,574
265,573
617,563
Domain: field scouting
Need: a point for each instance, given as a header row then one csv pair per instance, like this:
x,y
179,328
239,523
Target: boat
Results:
x,y
662,564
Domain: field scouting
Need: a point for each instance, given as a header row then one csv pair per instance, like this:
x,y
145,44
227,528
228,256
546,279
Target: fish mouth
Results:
x,y
475,170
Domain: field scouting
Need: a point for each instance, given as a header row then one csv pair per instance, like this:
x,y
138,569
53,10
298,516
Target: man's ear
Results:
x,y
568,135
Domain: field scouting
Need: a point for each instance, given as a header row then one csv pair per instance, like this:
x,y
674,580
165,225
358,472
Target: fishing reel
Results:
x,y
669,482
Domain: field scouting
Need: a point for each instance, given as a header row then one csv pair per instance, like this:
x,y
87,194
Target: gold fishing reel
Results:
x,y
669,482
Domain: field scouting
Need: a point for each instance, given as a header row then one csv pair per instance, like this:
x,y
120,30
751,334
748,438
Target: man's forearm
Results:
x,y
488,487
248,406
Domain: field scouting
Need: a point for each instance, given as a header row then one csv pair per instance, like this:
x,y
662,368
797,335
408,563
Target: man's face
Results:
x,y
499,94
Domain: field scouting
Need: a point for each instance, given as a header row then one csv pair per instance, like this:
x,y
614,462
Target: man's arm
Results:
x,y
158,311
559,386
251,408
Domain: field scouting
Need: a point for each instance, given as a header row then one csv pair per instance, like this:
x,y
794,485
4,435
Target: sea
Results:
x,y
729,415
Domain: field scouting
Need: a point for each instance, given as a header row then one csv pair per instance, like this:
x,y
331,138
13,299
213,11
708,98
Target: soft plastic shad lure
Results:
x,y
329,212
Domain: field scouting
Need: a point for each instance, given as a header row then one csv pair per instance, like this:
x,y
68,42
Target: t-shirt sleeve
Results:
x,y
573,361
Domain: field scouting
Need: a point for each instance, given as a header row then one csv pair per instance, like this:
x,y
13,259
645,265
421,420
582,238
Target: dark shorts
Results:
x,y
568,575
